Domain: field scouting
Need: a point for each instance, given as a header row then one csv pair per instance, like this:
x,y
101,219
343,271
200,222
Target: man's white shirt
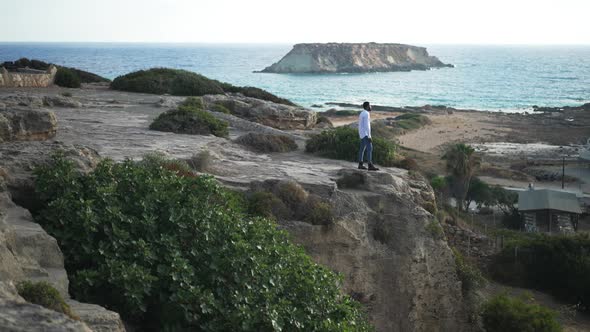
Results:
x,y
364,124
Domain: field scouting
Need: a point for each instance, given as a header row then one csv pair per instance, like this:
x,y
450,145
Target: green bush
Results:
x,y
67,78
175,252
343,143
558,264
267,205
267,142
193,102
180,82
44,294
188,120
503,313
470,276
318,211
164,80
411,121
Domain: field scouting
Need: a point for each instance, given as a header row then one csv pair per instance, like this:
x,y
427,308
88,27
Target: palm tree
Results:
x,y
462,162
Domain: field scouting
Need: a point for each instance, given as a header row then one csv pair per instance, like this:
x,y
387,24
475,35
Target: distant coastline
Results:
x,y
480,80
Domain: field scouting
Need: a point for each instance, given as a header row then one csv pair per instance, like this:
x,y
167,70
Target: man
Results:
x,y
365,135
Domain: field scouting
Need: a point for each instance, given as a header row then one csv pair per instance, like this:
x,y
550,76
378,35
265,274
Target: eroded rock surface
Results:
x,y
381,239
23,124
271,114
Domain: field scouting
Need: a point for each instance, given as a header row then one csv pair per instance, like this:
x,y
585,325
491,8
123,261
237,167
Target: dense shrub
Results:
x,y
470,276
558,264
164,80
343,143
174,252
189,120
503,313
267,205
180,82
44,294
267,142
67,78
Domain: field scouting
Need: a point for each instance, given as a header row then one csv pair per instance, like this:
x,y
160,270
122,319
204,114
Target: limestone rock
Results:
x,y
97,318
61,101
25,100
354,58
27,125
391,263
18,160
270,114
16,315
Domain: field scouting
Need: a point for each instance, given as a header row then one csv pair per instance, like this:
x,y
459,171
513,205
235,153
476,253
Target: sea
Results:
x,y
485,77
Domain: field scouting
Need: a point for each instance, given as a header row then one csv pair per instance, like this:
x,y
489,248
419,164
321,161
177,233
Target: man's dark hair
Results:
x,y
366,105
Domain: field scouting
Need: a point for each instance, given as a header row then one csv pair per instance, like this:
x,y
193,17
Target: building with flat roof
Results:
x,y
549,211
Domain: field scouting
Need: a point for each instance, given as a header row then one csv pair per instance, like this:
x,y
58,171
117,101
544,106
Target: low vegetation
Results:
x,y
219,108
505,313
289,201
180,82
470,276
189,118
67,78
557,264
44,294
267,142
343,143
176,252
81,75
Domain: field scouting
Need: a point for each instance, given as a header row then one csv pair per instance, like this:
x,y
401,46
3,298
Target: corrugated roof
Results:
x,y
548,199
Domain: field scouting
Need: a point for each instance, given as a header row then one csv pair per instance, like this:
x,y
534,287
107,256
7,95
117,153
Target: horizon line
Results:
x,y
284,43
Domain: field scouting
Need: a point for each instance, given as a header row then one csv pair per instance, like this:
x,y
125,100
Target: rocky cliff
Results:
x,y
354,58
383,240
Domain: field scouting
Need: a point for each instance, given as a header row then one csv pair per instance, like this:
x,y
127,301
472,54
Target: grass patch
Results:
x,y
505,313
267,142
219,108
45,295
180,82
343,143
201,161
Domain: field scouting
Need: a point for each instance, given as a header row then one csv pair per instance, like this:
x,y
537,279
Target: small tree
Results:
x,y
462,162
439,185
480,193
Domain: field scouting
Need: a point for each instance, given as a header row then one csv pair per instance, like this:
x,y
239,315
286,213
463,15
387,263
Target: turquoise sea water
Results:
x,y
485,77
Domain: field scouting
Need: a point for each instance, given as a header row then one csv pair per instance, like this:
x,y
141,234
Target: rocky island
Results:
x,y
354,58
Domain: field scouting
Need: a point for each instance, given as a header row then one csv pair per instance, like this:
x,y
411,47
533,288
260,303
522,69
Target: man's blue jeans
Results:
x,y
366,145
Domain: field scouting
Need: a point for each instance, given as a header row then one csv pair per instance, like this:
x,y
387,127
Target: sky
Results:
x,y
276,21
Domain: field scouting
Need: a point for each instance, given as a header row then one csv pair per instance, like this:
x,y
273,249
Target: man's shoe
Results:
x,y
361,166
372,167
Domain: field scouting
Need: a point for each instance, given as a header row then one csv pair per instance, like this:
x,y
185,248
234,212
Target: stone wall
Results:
x,y
27,78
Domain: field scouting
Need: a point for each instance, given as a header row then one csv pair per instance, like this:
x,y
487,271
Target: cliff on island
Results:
x,y
354,58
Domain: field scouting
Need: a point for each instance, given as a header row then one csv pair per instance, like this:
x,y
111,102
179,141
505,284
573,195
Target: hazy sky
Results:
x,y
266,21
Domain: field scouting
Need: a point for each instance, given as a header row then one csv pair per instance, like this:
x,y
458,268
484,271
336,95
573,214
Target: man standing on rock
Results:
x,y
365,135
